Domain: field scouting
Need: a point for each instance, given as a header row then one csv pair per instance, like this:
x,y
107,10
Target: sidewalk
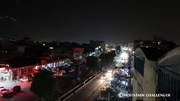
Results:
x,y
10,84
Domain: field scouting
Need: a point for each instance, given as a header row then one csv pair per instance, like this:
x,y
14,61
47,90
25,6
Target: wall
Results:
x,y
149,80
145,83
137,89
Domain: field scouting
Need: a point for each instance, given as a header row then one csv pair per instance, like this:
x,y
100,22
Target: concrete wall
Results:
x,y
134,88
149,80
139,78
137,89
145,84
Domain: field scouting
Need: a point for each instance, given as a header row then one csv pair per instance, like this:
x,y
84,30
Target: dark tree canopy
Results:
x,y
93,62
118,48
43,84
107,58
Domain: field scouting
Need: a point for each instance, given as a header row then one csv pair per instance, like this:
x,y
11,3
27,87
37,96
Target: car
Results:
x,y
3,91
104,93
16,89
103,77
71,70
1,87
58,74
111,90
30,77
24,79
103,89
63,71
8,95
110,71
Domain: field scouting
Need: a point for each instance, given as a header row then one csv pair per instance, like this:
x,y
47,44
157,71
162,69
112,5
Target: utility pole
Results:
x,y
78,78
108,96
58,65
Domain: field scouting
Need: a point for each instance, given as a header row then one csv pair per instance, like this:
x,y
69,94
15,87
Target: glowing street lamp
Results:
x,y
124,55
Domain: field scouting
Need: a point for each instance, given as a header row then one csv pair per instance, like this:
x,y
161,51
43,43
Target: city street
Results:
x,y
93,89
89,91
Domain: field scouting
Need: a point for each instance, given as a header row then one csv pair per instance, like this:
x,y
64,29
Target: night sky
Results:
x,y
83,20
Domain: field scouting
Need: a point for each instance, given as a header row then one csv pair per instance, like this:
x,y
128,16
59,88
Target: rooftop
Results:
x,y
153,53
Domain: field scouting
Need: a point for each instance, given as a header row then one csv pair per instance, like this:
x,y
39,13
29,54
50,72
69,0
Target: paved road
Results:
x,y
89,91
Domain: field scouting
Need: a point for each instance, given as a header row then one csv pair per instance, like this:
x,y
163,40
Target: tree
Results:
x,y
103,57
107,58
43,85
118,48
93,62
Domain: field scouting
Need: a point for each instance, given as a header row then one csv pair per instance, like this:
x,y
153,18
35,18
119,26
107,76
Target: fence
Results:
x,y
168,83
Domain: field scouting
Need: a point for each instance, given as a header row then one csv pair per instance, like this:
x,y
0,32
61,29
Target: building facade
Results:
x,y
156,75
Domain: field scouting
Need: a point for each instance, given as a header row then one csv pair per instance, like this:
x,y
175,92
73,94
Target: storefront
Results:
x,y
5,73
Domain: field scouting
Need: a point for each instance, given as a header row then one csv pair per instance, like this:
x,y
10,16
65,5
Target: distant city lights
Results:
x,y
51,47
124,55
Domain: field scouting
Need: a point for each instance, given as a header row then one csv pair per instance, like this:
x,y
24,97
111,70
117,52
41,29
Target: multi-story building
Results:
x,y
78,53
155,75
159,44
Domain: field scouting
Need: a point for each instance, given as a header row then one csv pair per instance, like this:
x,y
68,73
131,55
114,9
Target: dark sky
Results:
x,y
83,20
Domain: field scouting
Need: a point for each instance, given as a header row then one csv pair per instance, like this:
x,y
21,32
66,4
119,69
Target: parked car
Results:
x,y
16,89
8,95
63,71
1,87
24,79
30,77
71,70
3,91
58,74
